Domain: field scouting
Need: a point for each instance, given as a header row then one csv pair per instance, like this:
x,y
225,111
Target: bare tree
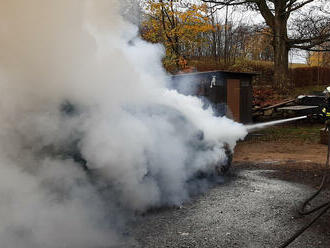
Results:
x,y
308,28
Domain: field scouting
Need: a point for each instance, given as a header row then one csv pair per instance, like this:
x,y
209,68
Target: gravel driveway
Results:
x,y
252,208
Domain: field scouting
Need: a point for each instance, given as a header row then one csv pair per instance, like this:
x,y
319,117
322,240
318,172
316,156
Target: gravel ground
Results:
x,y
253,208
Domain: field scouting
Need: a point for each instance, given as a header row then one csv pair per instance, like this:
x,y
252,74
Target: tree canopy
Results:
x,y
300,24
178,25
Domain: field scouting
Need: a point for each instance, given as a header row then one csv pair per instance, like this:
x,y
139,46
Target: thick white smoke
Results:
x,y
88,130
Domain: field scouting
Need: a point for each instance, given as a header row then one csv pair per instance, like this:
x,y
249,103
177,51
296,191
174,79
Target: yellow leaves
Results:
x,y
314,59
319,59
177,21
176,25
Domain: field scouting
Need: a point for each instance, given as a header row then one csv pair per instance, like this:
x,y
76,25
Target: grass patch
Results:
x,y
307,90
306,133
297,65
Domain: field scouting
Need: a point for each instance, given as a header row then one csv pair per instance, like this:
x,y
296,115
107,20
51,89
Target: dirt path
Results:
x,y
280,152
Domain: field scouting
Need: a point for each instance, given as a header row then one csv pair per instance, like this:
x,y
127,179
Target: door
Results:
x,y
233,98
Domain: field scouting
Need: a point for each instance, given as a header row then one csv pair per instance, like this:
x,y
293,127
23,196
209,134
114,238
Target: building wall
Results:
x,y
228,93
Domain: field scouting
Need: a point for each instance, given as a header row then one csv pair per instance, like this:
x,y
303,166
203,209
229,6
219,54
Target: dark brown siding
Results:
x,y
246,101
231,94
233,97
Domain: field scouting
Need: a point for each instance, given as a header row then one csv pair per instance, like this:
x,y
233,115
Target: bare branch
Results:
x,y
214,9
319,39
290,3
312,45
229,2
266,13
293,7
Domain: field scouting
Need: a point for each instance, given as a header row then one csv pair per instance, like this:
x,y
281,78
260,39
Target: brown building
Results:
x,y
229,93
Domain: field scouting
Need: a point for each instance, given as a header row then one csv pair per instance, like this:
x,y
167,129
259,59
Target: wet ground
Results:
x,y
255,207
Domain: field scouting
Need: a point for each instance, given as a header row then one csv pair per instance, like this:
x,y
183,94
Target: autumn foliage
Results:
x,y
179,28
319,59
266,96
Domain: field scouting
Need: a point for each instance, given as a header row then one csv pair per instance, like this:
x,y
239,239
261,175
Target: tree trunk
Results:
x,y
214,43
281,64
281,54
226,37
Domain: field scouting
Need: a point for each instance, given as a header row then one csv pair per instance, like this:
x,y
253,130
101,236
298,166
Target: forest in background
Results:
x,y
202,36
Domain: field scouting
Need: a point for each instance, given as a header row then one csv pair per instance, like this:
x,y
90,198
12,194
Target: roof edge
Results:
x,y
223,71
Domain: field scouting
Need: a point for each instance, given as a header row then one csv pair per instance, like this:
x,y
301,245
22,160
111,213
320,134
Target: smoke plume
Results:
x,y
88,130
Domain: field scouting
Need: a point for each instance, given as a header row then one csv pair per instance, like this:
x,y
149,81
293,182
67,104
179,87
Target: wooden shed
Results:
x,y
229,93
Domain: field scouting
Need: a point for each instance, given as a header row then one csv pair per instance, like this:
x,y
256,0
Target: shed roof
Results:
x,y
222,71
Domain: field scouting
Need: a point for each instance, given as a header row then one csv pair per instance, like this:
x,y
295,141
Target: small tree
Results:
x,y
179,25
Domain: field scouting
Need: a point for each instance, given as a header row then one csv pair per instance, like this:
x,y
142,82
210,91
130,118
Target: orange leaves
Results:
x,y
319,59
264,97
176,24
